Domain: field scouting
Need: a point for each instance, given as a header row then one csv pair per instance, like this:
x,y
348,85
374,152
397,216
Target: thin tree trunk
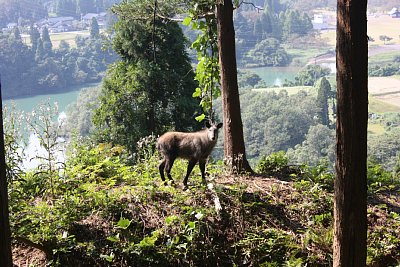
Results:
x,y
350,204
234,148
5,235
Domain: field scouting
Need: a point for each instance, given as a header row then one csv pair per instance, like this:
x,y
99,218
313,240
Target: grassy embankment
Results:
x,y
104,211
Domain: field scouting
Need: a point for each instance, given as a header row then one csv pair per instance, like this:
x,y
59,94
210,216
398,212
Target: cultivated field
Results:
x,y
377,25
69,37
56,38
385,94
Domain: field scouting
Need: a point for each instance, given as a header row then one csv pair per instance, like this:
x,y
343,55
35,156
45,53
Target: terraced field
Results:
x,y
385,94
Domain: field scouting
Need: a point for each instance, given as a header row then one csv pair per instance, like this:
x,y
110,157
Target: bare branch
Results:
x,y
169,18
248,3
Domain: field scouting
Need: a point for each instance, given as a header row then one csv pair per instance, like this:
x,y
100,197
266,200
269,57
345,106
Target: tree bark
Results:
x,y
234,148
5,235
350,204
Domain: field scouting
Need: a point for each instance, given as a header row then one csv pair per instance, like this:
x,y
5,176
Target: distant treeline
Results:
x,y
40,69
263,29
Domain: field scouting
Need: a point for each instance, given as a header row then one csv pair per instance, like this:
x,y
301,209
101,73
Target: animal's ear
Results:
x,y
208,125
219,125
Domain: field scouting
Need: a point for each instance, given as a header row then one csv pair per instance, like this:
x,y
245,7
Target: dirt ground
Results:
x,y
25,256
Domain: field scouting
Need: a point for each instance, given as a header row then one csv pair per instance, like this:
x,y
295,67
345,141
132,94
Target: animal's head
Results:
x,y
212,130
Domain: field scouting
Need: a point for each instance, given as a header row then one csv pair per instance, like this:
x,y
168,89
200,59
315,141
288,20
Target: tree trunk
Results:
x,y
234,149
350,204
5,236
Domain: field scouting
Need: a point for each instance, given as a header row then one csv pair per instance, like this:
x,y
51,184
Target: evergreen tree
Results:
x,y
306,24
16,59
40,53
94,29
47,45
324,90
257,30
66,8
267,23
84,6
147,91
274,6
99,5
63,46
291,23
34,36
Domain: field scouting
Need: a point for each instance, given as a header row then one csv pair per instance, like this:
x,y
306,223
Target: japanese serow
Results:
x,y
196,147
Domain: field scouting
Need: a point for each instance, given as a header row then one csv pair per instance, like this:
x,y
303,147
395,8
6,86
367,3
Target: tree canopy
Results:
x,y
150,89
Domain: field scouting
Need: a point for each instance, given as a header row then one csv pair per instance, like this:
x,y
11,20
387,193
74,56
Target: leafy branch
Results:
x,y
207,71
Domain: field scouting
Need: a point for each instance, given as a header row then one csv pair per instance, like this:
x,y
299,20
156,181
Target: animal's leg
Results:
x,y
202,164
191,164
161,168
168,167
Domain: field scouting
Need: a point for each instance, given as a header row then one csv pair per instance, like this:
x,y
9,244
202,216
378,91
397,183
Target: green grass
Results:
x,y
383,57
306,55
382,25
69,37
378,106
375,128
330,36
103,209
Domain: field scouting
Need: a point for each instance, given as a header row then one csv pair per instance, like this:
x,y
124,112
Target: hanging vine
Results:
x,y
207,71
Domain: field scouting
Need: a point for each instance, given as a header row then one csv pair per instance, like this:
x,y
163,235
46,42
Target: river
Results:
x,y
275,76
27,104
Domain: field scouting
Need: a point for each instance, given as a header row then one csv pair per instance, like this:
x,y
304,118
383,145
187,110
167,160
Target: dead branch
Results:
x,y
248,3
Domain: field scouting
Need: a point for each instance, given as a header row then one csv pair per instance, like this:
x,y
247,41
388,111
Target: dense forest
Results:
x,y
55,69
39,68
26,12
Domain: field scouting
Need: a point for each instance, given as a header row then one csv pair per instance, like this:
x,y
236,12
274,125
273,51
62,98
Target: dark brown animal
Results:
x,y
196,147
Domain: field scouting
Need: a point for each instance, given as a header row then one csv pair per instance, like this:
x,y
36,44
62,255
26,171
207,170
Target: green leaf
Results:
x,y
182,246
203,26
108,258
191,225
195,25
170,219
114,238
123,223
187,21
197,93
200,118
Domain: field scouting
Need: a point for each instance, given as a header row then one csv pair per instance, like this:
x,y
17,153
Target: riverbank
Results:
x,y
63,99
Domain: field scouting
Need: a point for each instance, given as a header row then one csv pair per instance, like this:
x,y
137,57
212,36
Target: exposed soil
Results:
x,y
26,256
386,89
